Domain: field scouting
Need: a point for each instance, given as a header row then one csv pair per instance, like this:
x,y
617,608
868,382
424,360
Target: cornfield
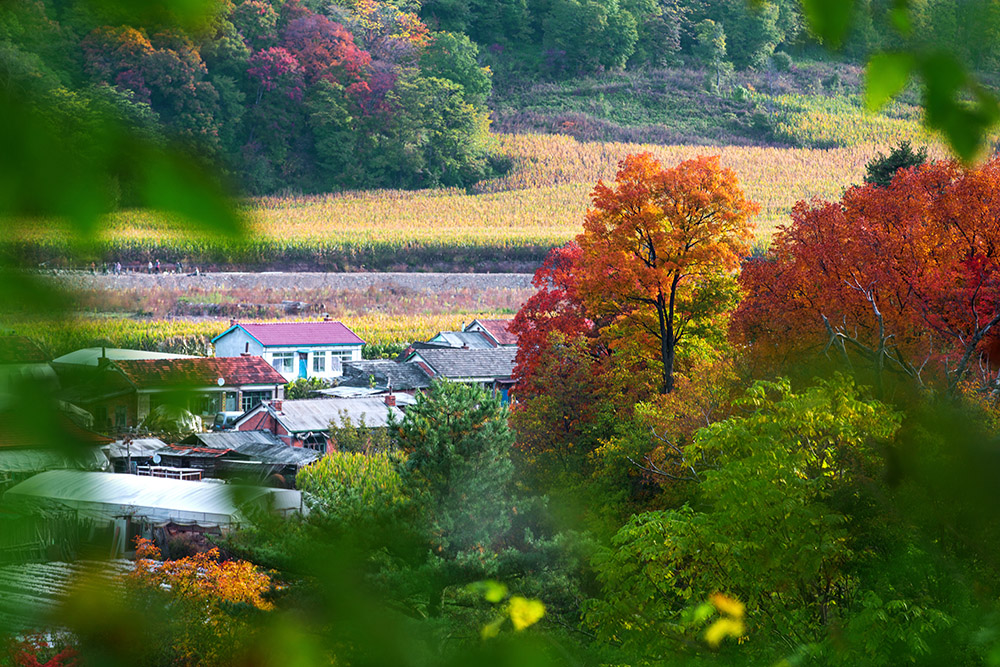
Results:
x,y
538,205
59,337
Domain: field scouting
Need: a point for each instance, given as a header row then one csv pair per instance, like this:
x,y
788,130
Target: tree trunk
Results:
x,y
665,316
667,352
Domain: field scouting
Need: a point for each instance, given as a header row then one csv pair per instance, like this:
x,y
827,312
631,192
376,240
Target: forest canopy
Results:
x,y
312,96
281,95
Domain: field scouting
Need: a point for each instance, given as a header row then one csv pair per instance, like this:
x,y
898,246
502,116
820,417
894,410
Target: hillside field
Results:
x,y
504,225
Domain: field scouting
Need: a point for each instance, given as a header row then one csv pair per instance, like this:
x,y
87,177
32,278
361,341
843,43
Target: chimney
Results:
x,y
327,318
276,404
390,400
232,322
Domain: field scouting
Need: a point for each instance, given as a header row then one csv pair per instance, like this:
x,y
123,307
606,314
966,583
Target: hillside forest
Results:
x,y
314,96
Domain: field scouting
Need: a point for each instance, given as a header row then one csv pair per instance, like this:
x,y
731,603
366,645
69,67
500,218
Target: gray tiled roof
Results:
x,y
315,414
230,439
403,376
459,364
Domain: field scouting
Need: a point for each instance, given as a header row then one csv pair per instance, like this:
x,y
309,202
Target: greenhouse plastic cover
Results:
x,y
104,496
37,460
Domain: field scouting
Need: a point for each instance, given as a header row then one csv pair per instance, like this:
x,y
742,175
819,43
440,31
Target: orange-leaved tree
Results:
x,y
214,608
906,277
659,248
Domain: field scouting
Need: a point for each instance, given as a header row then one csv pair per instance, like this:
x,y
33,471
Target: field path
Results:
x,y
276,280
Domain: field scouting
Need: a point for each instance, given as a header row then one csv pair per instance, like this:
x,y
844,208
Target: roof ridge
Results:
x,y
238,323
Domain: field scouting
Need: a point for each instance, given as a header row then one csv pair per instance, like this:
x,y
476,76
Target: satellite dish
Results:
x,y
221,381
156,458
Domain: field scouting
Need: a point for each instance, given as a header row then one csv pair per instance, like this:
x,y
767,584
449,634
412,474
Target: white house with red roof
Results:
x,y
294,349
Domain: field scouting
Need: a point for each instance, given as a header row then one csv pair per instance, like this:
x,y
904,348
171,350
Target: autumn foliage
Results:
x,y
658,249
211,602
904,277
554,310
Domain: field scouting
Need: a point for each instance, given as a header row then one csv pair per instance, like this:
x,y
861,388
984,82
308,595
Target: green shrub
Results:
x,y
782,61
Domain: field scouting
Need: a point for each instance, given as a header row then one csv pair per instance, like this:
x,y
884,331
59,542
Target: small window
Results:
x,y
120,416
252,399
283,362
344,355
315,442
319,362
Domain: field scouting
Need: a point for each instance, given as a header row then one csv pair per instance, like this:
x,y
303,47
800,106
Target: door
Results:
x,y
303,358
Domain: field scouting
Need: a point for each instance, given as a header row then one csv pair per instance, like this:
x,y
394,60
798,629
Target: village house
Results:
x,y
129,453
497,331
306,422
79,366
477,335
208,462
124,392
294,349
491,368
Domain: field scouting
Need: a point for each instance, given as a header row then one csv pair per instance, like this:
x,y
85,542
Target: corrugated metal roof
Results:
x,y
316,414
103,496
139,448
195,452
300,333
231,439
471,339
199,372
261,445
280,454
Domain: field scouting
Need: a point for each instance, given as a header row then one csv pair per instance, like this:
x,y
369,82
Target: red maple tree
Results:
x,y
905,277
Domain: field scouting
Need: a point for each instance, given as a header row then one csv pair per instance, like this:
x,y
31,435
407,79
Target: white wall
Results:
x,y
331,368
237,342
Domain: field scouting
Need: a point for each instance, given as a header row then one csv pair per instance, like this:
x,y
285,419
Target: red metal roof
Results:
x,y
302,333
498,329
198,372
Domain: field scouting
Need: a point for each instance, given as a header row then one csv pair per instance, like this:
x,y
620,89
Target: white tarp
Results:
x,y
104,496
15,460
